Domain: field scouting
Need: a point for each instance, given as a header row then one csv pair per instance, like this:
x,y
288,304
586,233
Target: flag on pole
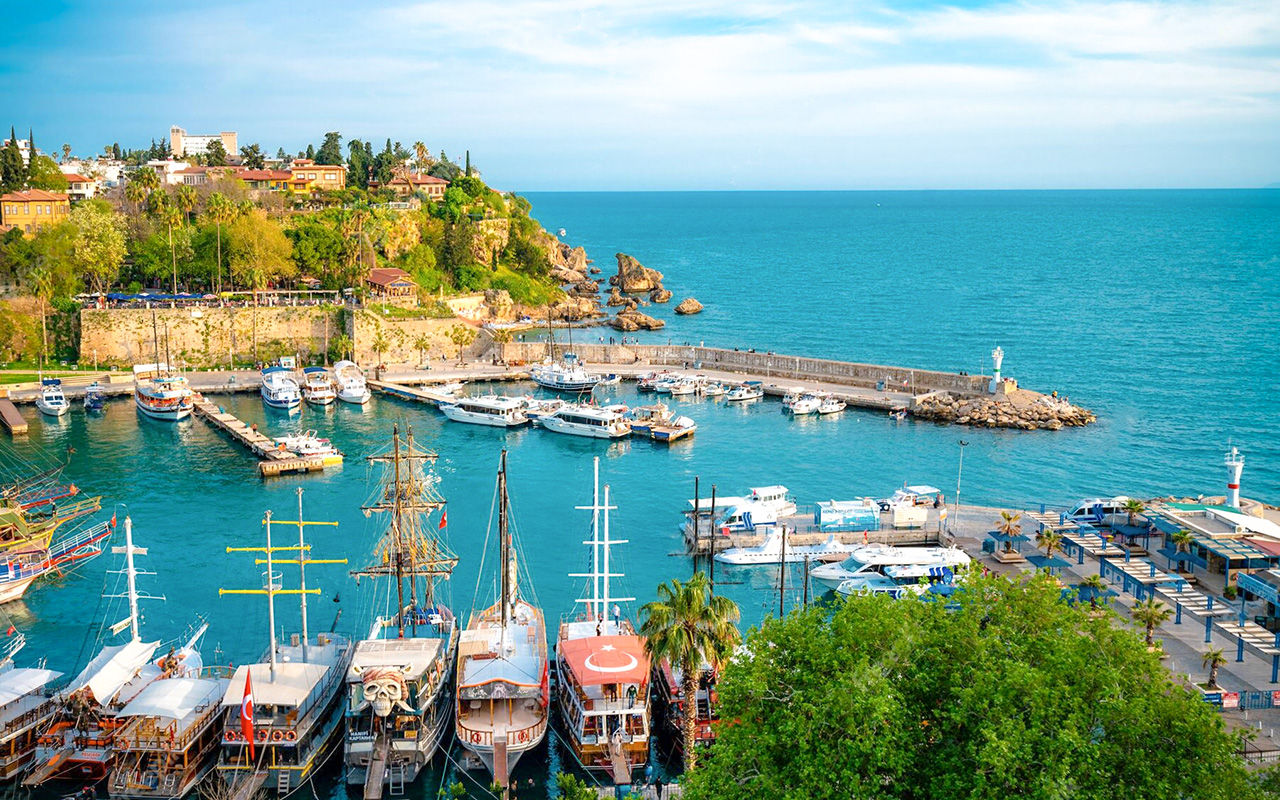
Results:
x,y
444,518
246,714
12,630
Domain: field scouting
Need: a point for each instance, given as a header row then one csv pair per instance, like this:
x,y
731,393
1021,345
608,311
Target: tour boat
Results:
x,y
280,388
669,699
81,744
160,394
537,409
400,683
874,558
352,387
898,581
807,403
583,420
26,705
309,444
503,675
283,714
496,410
831,405
51,400
95,398
775,549
317,388
20,569
602,691
567,375
751,390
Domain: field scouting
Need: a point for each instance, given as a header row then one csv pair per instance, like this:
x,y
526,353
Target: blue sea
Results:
x,y
1158,310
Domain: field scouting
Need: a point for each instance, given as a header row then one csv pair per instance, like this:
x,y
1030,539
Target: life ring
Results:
x,y
277,736
261,735
523,736
475,737
229,736
289,736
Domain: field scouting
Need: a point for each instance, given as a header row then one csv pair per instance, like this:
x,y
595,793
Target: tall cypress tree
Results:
x,y
12,171
468,163
31,152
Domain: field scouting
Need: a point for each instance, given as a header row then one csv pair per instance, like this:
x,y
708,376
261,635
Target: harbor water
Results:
x,y
1158,310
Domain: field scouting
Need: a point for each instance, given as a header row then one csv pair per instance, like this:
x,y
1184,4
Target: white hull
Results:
x,y
565,386
15,590
355,398
168,415
456,414
801,407
742,398
558,425
320,399
747,557
288,404
53,411
485,754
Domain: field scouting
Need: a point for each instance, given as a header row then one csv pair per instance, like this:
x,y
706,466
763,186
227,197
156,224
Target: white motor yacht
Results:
x,y
317,388
751,390
807,403
771,551
309,444
51,400
874,558
898,581
351,383
713,389
280,388
538,409
584,420
491,409
831,405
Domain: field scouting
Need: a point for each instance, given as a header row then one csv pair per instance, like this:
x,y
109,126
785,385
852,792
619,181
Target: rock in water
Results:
x,y
660,295
628,320
616,298
635,278
688,306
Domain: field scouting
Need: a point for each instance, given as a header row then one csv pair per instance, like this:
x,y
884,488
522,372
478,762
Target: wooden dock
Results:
x,y
13,420
420,394
273,460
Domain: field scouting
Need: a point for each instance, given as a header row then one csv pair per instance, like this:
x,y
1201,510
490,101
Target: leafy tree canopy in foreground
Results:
x,y
1012,693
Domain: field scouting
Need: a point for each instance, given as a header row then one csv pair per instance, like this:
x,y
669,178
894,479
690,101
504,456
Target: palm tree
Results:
x,y
1182,540
172,217
461,335
1151,613
689,626
422,157
136,192
501,336
380,345
220,210
1050,540
185,200
422,344
1098,587
1133,507
1010,524
341,345
1214,659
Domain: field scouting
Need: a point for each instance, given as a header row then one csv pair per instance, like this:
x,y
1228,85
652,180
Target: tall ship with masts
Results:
x,y
158,391
283,715
602,668
400,683
566,374
503,678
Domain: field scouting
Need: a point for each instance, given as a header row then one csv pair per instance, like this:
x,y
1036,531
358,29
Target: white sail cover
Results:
x,y
22,681
175,698
112,669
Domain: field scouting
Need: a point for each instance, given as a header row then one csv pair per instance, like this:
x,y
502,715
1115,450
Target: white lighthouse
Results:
x,y
997,358
1235,465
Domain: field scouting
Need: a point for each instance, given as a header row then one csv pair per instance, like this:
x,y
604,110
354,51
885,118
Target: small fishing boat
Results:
x,y
875,558
712,389
450,388
538,409
898,414
95,397
309,444
610,380
494,410
51,400
684,387
280,388
775,550
352,387
743,392
317,387
831,405
807,403
648,382
584,420
791,397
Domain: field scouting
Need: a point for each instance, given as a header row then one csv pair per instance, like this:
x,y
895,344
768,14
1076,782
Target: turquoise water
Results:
x,y
1159,310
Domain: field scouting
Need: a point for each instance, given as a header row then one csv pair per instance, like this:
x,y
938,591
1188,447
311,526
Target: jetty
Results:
x,y
273,459
13,420
420,394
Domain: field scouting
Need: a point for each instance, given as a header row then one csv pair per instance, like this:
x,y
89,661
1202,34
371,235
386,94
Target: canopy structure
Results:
x,y
107,674
1051,563
491,666
1236,554
175,698
23,681
414,656
600,660
291,686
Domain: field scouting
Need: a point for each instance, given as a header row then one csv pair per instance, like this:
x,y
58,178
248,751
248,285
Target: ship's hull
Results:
x,y
355,398
52,410
456,414
565,386
14,590
553,423
174,414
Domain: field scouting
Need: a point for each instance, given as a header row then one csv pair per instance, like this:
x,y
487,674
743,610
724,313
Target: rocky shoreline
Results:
x,y
1022,409
633,286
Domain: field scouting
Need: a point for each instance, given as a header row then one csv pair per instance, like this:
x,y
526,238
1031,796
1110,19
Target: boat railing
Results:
x,y
483,737
218,672
140,737
27,717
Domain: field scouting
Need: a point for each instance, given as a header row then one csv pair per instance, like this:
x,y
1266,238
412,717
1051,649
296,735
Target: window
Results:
x,y
39,209
311,176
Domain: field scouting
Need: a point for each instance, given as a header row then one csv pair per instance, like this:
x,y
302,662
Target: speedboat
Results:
x,y
160,394
351,384
564,376
95,399
751,390
874,558
51,400
498,411
807,403
831,405
668,382
317,389
771,551
610,380
280,388
584,420
898,581
309,444
683,387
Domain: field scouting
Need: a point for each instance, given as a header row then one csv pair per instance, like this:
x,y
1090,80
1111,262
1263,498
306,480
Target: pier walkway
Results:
x,y
274,460
13,420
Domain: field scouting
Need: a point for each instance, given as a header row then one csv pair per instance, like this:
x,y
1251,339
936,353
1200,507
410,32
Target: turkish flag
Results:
x,y
246,714
444,518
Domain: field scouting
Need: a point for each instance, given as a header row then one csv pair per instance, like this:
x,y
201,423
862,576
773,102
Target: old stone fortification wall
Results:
x,y
205,336
760,365
401,339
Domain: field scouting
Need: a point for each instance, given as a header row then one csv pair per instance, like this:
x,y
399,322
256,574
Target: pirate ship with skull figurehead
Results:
x,y
400,683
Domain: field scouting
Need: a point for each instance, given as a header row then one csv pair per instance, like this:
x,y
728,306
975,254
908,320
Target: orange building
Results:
x,y
33,209
308,176
431,186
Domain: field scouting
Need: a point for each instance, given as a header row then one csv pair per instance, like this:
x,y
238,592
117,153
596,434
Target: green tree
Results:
x,y
172,218
1049,541
379,345
574,788
1098,586
99,246
1003,692
251,156
422,343
13,170
688,626
444,168
1010,524
215,155
258,251
330,151
1133,507
1213,659
340,347
184,199
220,211
44,173
1182,540
1150,614
357,165
461,336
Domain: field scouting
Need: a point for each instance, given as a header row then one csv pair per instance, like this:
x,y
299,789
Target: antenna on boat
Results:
x,y
131,573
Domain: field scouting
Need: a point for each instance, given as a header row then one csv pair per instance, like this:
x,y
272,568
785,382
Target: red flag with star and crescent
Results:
x,y
246,714
444,518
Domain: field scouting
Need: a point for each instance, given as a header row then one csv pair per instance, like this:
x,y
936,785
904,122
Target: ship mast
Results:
x,y
396,531
504,543
600,542
131,573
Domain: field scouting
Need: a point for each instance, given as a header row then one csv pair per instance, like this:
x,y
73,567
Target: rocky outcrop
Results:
x,y
576,309
616,298
567,276
635,278
688,306
489,238
586,288
660,295
1025,410
628,321
595,270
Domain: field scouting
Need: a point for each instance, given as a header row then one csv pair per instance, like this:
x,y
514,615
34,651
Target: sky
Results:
x,y
682,94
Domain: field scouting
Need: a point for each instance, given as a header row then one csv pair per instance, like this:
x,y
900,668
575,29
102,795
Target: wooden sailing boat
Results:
x,y
502,667
400,684
291,704
602,668
25,703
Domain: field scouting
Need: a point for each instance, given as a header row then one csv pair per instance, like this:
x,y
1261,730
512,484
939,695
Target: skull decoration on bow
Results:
x,y
384,688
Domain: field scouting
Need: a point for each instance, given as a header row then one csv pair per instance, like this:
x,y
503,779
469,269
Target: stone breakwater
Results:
x,y
1020,408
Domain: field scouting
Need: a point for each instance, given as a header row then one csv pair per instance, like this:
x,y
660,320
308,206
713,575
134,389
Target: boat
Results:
x,y
669,702
584,420
280,388
491,409
310,445
789,399
685,387
917,495
898,581
283,715
1099,510
317,388
765,505
602,669
831,405
668,382
81,743
658,423
807,403
400,684
648,382
751,390
566,375
537,409
611,379
874,558
158,391
32,510
26,704
775,550
20,568
712,389
503,673
450,388
352,387
95,397
51,400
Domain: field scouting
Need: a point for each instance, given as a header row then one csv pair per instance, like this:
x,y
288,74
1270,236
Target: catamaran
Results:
x,y
317,388
352,387
282,716
602,668
503,679
280,388
81,743
400,684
